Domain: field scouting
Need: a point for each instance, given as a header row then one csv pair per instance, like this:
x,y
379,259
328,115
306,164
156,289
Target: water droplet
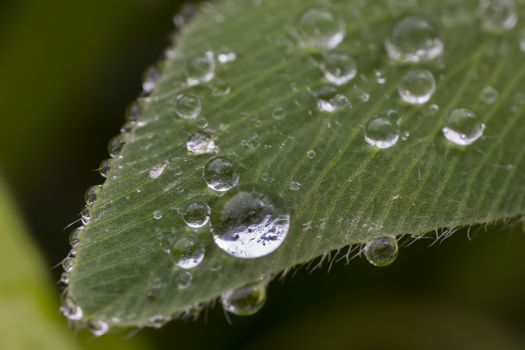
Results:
x,y
151,77
157,321
157,215
220,174
91,194
71,310
417,86
414,39
200,143
498,15
381,133
98,328
249,222
245,301
278,113
294,186
188,106
200,69
67,264
104,168
220,88
405,135
157,170
226,56
115,146
310,154
381,251
326,98
184,279
338,68
74,239
463,127
196,214
134,112
380,78
320,28
187,253
489,95
84,216
64,278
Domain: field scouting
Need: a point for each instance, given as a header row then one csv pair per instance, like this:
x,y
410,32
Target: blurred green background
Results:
x,y
68,70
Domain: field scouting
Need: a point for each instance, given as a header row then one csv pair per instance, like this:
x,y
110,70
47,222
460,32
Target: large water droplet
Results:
x,y
338,68
220,174
249,222
498,15
382,251
245,301
71,310
188,106
200,69
320,28
463,127
414,39
417,86
187,253
196,214
200,143
381,133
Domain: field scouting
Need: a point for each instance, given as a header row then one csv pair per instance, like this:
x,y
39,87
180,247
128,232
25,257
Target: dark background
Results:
x,y
69,69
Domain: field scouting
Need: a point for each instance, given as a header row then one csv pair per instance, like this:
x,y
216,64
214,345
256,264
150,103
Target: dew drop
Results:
x,y
98,328
249,222
200,143
187,253
67,264
320,28
220,88
84,216
151,77
414,39
382,251
104,168
380,77
417,86
196,214
294,186
220,174
157,170
381,133
74,239
157,215
245,301
71,310
489,95
188,106
310,154
200,69
278,113
338,68
91,194
463,127
498,15
226,56
157,321
115,146
326,98
184,279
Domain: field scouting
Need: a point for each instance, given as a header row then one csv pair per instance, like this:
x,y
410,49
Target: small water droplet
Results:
x,y
187,253
220,174
184,279
245,301
489,95
463,127
417,86
104,168
278,113
196,214
498,15
84,216
405,135
157,170
98,328
249,222
91,194
201,143
380,78
381,251
188,106
157,321
115,146
220,88
294,186
200,69
320,28
226,56
414,39
151,77
381,133
157,215
338,68
67,264
310,154
71,310
74,239
326,98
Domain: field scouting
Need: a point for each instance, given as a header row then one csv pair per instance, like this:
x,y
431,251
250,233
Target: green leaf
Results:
x,y
339,190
